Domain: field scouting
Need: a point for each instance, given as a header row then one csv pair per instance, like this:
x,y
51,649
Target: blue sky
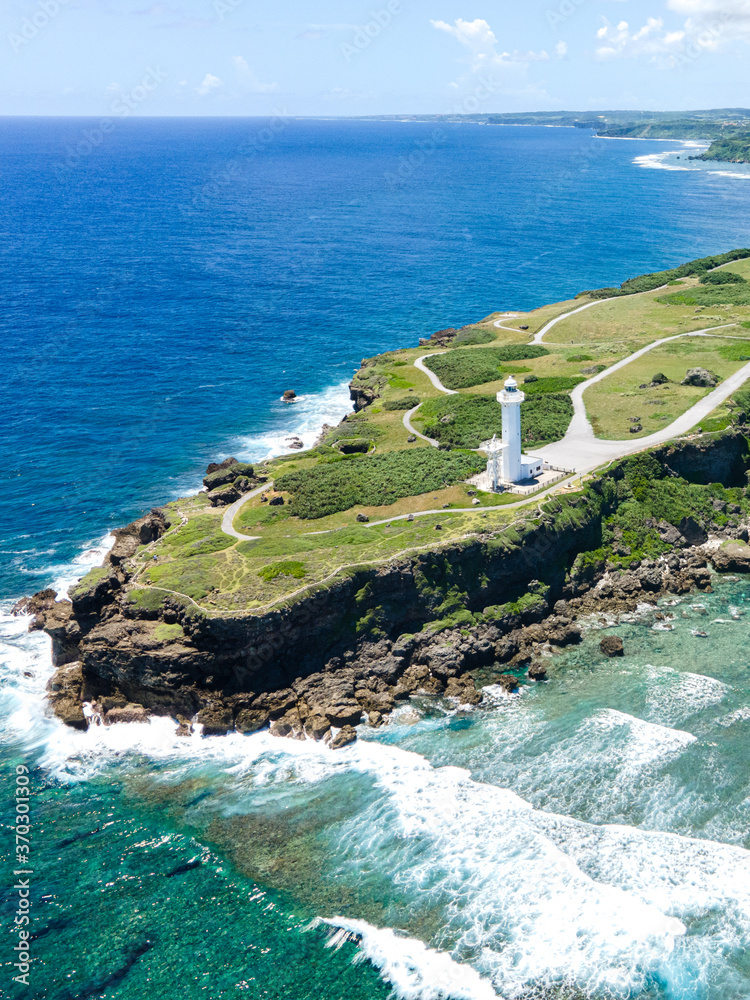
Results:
x,y
252,57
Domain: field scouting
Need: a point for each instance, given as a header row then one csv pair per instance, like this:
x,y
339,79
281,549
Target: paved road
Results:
x,y
431,375
413,430
539,337
582,451
227,525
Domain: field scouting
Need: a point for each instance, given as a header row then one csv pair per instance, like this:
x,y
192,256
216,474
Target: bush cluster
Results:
x,y
475,419
709,295
463,368
552,384
374,481
472,335
405,403
647,282
722,278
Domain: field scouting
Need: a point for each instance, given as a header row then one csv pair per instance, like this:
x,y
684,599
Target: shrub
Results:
x,y
647,282
405,403
289,568
355,446
580,357
709,295
553,383
470,335
722,278
375,480
462,368
738,351
475,419
544,418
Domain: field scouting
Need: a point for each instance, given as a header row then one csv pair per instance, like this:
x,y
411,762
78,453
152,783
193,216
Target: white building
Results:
x,y
516,467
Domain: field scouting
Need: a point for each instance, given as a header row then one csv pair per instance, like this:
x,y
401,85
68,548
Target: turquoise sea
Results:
x,y
585,839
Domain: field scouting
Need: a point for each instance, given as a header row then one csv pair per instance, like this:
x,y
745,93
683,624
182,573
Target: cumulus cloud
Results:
x,y
718,22
209,85
249,81
479,38
708,26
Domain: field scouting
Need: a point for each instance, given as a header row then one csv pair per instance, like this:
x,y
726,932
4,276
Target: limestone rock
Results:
x,y
216,719
508,683
732,558
128,713
700,377
537,672
65,690
611,645
343,738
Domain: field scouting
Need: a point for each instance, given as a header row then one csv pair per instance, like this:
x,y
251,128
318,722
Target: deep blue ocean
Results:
x,y
161,285
161,289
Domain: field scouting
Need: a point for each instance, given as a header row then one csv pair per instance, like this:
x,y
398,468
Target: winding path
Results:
x,y
413,430
227,522
582,450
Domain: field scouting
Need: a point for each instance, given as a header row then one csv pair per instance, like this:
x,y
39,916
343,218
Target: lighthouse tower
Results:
x,y
510,398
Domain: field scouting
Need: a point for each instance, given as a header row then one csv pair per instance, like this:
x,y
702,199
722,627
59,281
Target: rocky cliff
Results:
x,y
356,647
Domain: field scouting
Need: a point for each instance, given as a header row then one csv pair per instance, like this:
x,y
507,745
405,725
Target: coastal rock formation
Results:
x,y
732,558
611,645
351,651
700,377
229,480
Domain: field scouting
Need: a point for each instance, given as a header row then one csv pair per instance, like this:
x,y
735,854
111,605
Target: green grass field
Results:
x,y
315,535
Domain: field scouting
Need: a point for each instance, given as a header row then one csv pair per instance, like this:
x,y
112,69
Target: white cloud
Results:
x,y
248,79
709,25
561,49
210,83
480,39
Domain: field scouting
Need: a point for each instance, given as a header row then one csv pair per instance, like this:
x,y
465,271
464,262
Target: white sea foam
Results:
x,y
306,419
415,971
676,695
72,572
528,899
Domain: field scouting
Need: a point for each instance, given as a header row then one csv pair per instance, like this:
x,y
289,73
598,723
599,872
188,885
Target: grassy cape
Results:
x,y
345,503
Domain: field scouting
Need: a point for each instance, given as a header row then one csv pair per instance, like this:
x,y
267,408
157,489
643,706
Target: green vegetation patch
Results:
x,y
552,384
374,481
291,568
470,420
730,150
405,403
474,419
648,282
472,335
200,536
545,418
168,633
638,492
709,295
722,278
738,351
463,368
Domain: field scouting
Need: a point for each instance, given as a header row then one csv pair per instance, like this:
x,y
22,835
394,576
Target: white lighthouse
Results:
x,y
516,467
510,398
